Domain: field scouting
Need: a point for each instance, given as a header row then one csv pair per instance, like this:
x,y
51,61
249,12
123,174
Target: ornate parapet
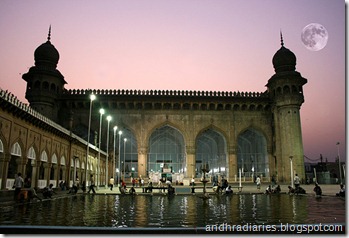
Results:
x,y
166,93
169,99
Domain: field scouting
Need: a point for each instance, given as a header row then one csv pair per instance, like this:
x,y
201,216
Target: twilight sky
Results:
x,y
210,45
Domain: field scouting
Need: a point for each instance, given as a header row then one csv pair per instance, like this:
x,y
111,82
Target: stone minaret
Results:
x,y
286,92
45,83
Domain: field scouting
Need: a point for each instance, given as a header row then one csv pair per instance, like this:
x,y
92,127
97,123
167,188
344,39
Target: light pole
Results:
x,y
119,175
114,168
101,112
106,163
291,170
125,139
339,164
92,97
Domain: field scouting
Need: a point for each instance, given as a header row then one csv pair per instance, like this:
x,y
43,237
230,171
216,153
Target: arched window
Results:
x,y
252,154
16,150
211,152
166,151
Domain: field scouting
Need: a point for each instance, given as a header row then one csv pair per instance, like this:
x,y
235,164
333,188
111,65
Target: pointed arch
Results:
x,y
252,153
16,149
31,153
62,160
54,159
44,156
166,150
211,151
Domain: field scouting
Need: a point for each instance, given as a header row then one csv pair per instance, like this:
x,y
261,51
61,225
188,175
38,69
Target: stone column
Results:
x,y
35,173
4,162
190,161
142,161
47,167
21,163
233,165
56,173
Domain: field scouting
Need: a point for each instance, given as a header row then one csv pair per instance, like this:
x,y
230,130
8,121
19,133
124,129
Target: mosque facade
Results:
x,y
176,134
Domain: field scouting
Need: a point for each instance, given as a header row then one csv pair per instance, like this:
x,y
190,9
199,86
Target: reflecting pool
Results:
x,y
180,211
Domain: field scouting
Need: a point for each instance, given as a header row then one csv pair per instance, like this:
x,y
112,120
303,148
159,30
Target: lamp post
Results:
x,y
114,170
106,163
92,97
125,139
120,132
101,112
339,164
291,170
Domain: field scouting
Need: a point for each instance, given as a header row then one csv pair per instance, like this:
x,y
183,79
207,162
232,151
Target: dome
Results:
x,y
284,59
46,54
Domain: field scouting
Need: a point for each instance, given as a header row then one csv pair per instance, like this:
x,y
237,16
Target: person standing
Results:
x,y
111,183
18,184
296,181
92,184
258,182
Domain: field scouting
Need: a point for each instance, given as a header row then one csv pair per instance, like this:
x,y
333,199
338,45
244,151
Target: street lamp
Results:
x,y
114,170
101,112
339,164
120,132
106,164
125,139
291,170
92,97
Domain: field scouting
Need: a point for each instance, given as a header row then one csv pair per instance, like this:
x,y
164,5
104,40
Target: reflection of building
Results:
x,y
184,130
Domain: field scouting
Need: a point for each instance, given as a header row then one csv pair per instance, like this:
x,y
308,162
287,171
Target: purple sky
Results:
x,y
211,45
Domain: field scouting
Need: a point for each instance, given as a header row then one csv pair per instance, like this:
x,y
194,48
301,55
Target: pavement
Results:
x,y
6,197
327,189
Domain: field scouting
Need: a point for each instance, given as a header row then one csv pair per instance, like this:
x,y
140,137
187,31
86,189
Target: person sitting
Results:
x,y
268,190
224,183
170,190
150,187
73,189
300,190
48,191
277,189
33,194
317,190
132,190
291,190
341,191
228,190
122,187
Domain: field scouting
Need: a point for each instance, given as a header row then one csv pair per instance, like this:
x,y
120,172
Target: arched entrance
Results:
x,y
211,152
252,154
166,156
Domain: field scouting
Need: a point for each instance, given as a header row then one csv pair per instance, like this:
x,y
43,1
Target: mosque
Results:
x,y
151,133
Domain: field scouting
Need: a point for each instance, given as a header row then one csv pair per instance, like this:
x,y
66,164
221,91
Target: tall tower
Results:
x,y
45,83
286,93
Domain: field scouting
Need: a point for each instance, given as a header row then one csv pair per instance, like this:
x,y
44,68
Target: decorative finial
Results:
x,y
49,33
282,40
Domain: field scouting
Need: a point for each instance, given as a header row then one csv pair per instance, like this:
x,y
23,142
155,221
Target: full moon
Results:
x,y
314,36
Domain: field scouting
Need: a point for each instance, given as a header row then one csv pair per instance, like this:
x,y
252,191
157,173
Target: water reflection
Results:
x,y
178,211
